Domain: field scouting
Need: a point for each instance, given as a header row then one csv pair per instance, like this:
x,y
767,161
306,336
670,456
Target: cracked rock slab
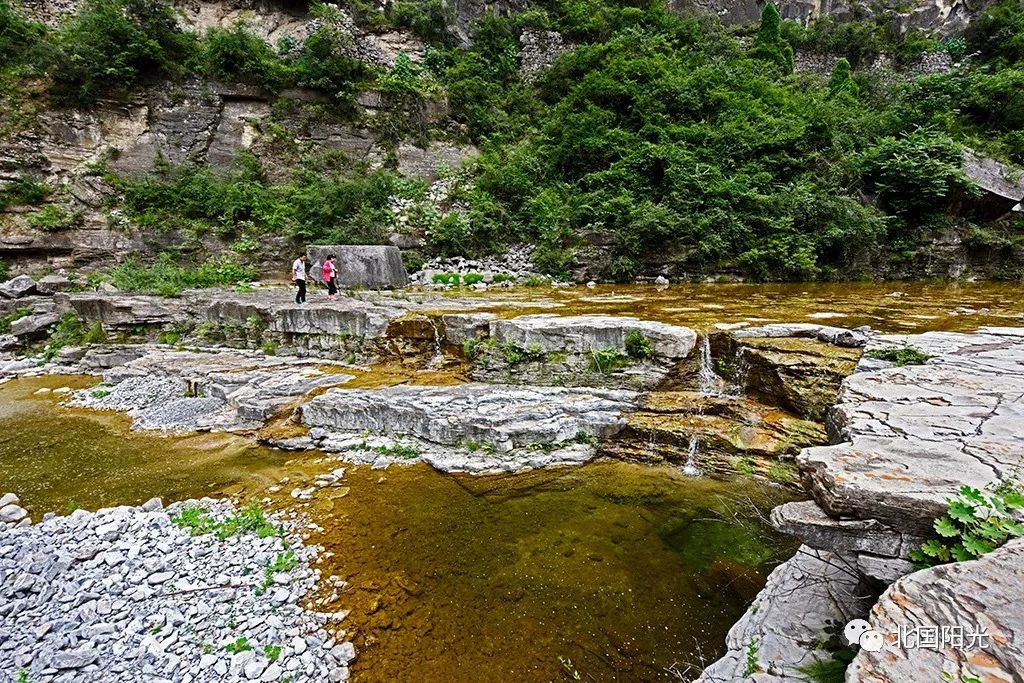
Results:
x,y
981,595
915,434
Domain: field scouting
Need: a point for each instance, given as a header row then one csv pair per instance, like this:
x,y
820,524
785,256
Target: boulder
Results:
x,y
777,636
8,342
585,333
18,287
505,417
980,596
462,327
371,267
33,326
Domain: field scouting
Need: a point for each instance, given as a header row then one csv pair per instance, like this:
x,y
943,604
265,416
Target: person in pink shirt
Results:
x,y
330,275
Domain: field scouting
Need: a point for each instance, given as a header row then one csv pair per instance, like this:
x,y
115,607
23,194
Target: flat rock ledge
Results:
x,y
474,427
161,388
123,594
905,440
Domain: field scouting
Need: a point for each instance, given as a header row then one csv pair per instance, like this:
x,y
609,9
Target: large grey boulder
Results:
x,y
983,595
786,622
505,417
585,333
53,283
17,287
372,267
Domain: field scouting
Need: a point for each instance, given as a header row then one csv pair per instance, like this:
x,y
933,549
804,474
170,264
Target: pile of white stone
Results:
x,y
124,594
516,263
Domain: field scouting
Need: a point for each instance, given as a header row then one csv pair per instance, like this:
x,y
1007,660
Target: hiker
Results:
x,y
299,278
330,275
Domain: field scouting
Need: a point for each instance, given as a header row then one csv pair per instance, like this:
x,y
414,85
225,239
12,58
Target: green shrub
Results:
x,y
110,46
607,360
67,331
167,277
901,355
472,278
95,334
638,346
52,218
26,190
20,39
915,172
769,43
841,81
238,54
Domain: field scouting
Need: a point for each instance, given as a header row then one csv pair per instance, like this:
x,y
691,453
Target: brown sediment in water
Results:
x,y
622,569
57,458
892,307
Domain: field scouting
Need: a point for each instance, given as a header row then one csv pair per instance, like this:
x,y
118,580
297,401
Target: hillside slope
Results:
x,y
622,140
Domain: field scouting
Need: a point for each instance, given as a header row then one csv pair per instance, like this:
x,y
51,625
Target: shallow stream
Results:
x,y
615,571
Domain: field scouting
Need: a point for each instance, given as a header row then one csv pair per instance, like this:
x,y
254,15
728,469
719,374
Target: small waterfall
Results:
x,y
690,469
708,381
438,358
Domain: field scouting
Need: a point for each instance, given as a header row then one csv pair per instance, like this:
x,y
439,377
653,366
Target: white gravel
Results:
x,y
123,594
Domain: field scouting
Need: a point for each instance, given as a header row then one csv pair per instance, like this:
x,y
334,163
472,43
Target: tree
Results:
x,y
769,43
841,81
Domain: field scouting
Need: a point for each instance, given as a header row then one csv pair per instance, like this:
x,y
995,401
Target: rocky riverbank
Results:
x,y
200,591
905,439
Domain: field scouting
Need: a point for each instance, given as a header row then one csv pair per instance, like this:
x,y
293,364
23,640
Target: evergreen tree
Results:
x,y
769,43
841,80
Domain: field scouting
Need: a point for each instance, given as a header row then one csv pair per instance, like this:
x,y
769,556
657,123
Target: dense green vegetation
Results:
x,y
668,138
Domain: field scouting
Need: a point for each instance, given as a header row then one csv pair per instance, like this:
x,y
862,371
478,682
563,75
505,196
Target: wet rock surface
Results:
x,y
712,432
124,594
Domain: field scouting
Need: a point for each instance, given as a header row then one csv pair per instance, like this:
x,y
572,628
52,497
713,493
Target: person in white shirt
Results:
x,y
299,278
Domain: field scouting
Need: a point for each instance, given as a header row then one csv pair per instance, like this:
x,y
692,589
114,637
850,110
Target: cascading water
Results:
x,y
438,358
690,469
708,381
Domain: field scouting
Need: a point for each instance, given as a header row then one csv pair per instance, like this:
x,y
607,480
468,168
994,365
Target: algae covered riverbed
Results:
x,y
612,570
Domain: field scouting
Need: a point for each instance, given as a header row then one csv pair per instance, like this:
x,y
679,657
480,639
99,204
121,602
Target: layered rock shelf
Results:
x,y
905,439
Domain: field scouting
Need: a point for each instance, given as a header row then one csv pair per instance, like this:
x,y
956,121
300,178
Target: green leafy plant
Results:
x,y
249,519
752,666
901,355
398,451
52,218
67,331
638,346
607,360
272,652
240,644
472,278
100,393
977,522
167,277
